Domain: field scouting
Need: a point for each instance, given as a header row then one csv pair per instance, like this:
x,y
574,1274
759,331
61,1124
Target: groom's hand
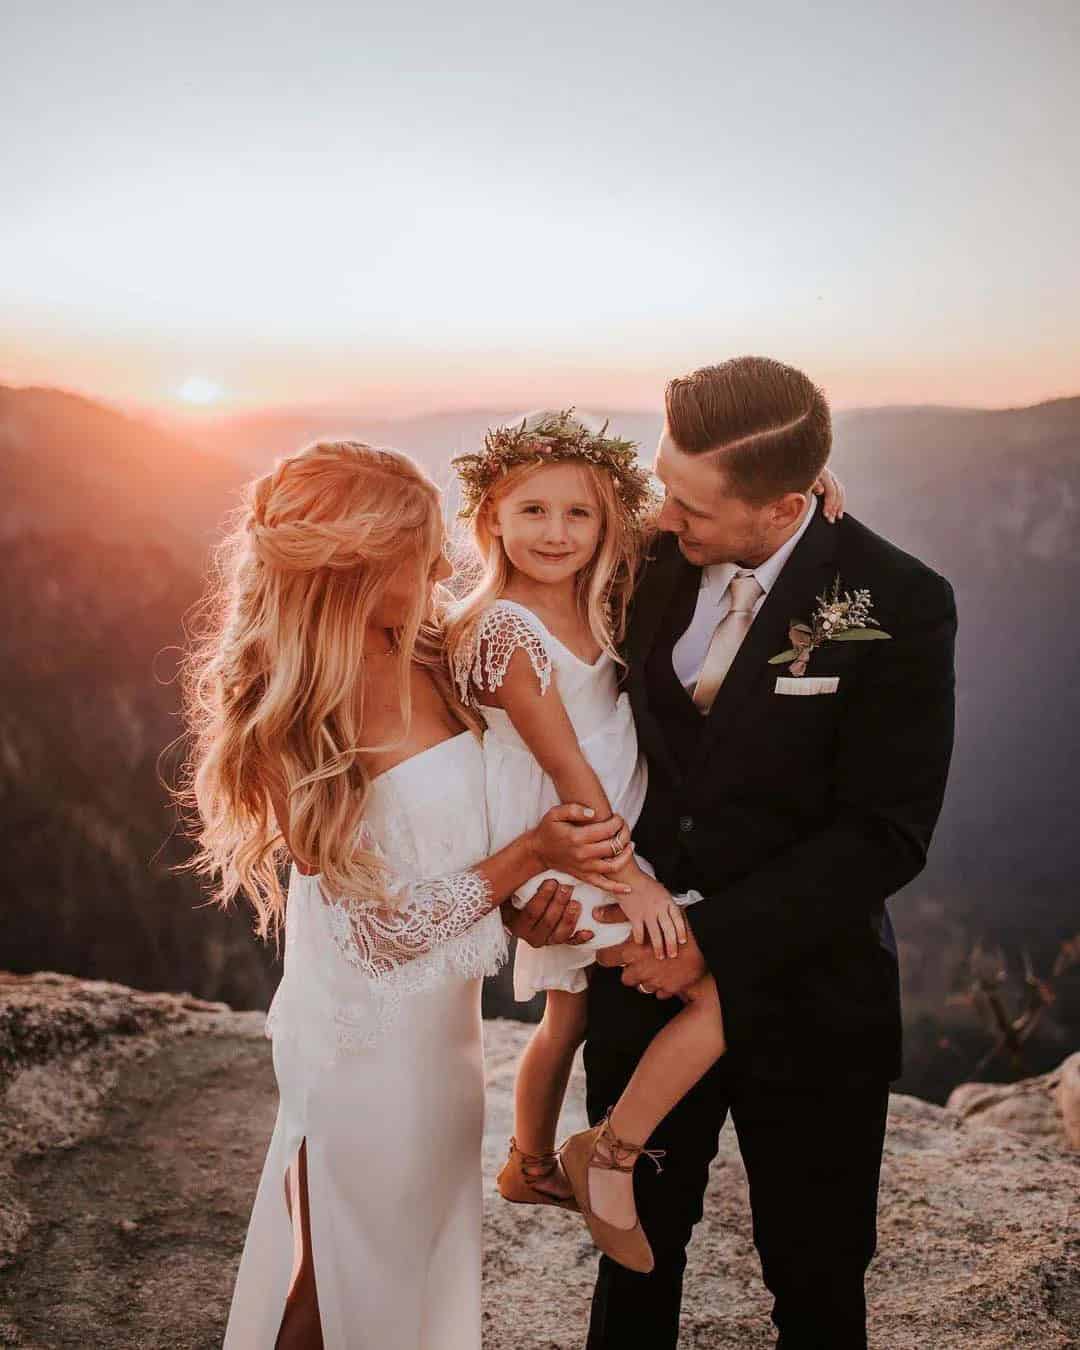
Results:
x,y
667,978
548,919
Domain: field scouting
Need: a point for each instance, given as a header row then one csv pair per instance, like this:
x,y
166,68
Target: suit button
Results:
x,y
686,824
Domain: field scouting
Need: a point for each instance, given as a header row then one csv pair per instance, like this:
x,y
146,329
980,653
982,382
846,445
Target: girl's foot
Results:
x,y
535,1179
611,1195
587,1157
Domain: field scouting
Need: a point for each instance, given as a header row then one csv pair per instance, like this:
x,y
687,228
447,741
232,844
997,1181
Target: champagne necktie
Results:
x,y
745,591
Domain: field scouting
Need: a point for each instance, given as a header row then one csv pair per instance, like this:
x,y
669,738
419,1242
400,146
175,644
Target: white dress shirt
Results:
x,y
714,601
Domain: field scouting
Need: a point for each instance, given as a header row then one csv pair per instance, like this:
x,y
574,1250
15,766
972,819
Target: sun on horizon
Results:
x,y
197,391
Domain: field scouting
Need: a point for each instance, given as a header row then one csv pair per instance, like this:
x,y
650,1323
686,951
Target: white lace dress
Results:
x,y
378,1056
519,792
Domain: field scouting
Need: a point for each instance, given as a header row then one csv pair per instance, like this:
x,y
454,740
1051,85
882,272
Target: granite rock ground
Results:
x,y
132,1131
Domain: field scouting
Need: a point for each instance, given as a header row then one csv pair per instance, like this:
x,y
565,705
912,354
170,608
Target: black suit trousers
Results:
x,y
812,1151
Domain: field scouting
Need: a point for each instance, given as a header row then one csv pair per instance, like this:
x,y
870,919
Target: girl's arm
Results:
x,y
540,719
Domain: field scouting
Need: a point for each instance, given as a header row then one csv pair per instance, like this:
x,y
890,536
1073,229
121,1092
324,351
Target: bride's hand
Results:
x,y
564,841
833,494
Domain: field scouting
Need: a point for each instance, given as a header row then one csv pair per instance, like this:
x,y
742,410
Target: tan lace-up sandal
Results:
x,y
522,1177
601,1147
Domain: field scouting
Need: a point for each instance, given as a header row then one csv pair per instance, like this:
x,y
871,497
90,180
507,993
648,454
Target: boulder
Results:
x,y
1046,1108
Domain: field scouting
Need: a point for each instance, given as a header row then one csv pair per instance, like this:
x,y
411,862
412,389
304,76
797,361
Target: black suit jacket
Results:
x,y
797,817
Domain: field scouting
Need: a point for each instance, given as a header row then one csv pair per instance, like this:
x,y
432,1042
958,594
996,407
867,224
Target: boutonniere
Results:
x,y
838,618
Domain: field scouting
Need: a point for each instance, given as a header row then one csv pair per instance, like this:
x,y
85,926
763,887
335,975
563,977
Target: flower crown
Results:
x,y
556,437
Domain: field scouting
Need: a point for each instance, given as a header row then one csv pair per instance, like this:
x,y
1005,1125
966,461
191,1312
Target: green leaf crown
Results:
x,y
556,438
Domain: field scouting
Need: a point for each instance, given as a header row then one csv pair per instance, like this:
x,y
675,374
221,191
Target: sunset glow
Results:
x,y
416,209
199,391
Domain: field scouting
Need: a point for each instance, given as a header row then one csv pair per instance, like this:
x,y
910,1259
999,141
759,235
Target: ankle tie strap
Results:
x,y
543,1161
622,1156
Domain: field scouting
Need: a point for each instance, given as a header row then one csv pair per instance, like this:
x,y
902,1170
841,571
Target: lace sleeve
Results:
x,y
376,940
483,657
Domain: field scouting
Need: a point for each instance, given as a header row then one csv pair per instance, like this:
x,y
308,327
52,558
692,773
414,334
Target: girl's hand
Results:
x,y
654,917
834,495
565,841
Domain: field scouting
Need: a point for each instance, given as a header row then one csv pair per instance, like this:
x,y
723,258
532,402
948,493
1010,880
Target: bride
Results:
x,y
325,730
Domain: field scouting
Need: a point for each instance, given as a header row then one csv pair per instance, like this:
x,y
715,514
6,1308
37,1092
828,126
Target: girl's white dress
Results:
x,y
519,792
379,1062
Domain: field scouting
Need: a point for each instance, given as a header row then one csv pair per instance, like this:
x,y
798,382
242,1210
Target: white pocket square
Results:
x,y
804,684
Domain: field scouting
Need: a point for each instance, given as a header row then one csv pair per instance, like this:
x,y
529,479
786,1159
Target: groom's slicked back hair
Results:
x,y
768,424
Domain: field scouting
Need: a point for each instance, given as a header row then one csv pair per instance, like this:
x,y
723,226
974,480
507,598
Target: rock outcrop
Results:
x,y
1046,1108
132,1131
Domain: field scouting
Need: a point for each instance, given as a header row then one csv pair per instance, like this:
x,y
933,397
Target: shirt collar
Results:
x,y
717,576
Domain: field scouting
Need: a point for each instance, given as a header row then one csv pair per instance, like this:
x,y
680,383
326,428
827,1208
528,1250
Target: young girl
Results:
x,y
557,515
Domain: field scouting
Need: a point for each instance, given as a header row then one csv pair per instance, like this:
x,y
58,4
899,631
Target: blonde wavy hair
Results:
x,y
274,686
603,587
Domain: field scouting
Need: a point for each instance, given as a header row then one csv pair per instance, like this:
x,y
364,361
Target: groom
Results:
x,y
796,800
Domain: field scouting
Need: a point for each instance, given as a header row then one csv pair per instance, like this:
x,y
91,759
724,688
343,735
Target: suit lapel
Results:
x,y
807,572
662,581
655,591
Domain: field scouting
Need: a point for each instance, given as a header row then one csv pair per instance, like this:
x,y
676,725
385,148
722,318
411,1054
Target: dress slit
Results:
x,y
301,1325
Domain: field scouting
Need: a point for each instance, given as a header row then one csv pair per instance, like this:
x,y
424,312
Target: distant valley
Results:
x,y
106,521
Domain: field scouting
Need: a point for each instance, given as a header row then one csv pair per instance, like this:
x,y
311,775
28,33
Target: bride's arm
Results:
x,y
426,913
433,910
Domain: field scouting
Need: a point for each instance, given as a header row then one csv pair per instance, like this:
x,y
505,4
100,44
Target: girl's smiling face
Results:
x,y
549,523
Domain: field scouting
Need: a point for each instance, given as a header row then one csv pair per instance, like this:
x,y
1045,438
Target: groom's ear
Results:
x,y
787,509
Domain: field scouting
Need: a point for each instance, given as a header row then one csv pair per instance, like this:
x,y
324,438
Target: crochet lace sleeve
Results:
x,y
431,912
483,658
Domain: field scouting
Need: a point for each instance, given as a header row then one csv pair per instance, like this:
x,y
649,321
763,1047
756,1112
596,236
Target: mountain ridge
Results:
x,y
107,523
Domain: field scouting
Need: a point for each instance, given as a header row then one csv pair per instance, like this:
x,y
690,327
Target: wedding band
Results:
x,y
642,989
616,848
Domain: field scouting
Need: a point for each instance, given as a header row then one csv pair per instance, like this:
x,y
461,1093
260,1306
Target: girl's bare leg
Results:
x,y
678,1056
542,1077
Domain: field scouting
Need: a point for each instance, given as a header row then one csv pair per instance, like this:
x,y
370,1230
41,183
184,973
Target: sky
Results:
x,y
413,207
